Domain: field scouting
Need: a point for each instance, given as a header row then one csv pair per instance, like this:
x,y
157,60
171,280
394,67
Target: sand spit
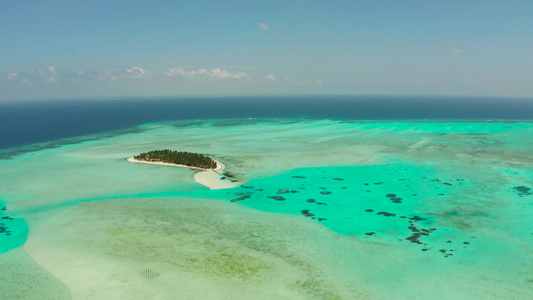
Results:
x,y
207,177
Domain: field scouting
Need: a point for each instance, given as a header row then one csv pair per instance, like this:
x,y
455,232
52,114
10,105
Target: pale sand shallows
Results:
x,y
209,178
186,249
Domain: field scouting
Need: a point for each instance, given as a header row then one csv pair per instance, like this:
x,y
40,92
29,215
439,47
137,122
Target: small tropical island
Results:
x,y
188,159
211,175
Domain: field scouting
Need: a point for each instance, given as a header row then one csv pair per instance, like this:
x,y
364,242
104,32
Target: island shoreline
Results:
x,y
205,177
220,166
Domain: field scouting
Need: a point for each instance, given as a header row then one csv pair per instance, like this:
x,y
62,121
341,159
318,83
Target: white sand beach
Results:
x,y
208,178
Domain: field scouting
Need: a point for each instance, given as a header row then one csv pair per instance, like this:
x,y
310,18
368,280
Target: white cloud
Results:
x,y
263,25
52,80
221,74
457,50
52,70
217,73
181,72
137,72
80,72
318,81
270,77
20,77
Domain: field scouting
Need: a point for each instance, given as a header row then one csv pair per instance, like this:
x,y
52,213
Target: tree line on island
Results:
x,y
180,158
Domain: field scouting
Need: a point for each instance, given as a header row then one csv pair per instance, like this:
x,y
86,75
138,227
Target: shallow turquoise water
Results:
x,y
456,197
393,203
374,202
13,230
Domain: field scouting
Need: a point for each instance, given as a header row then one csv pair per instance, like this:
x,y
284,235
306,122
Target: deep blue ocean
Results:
x,y
28,122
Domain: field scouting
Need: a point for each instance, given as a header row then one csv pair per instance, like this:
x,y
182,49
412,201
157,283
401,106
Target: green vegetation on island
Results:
x,y
180,158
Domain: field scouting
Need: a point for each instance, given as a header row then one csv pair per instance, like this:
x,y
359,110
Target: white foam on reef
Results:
x,y
99,224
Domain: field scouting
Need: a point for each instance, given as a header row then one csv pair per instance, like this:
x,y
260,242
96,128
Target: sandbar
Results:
x,y
207,177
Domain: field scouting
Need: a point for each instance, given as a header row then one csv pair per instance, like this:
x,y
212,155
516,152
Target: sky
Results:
x,y
103,49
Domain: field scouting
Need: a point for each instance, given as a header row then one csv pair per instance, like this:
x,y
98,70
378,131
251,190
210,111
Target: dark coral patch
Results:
x,y
322,219
370,233
294,192
278,198
413,229
396,200
310,200
283,191
522,190
2,229
415,238
247,187
321,203
340,179
369,210
298,176
306,213
240,199
417,218
325,193
386,214
391,195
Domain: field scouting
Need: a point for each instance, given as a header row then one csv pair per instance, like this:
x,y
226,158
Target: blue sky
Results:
x,y
83,49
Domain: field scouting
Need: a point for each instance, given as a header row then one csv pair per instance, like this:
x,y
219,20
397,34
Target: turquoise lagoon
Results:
x,y
328,209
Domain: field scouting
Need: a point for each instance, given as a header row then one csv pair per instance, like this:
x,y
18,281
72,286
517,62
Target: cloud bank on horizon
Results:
x,y
80,49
